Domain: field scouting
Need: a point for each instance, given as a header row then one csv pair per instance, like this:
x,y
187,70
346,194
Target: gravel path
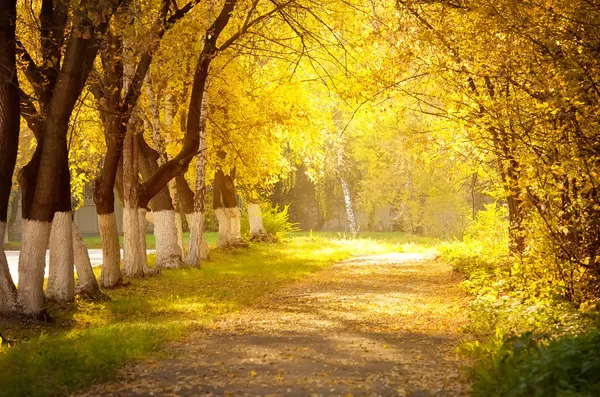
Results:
x,y
385,325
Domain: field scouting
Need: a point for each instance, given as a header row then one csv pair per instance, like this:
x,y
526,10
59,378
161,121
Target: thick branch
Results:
x,y
179,164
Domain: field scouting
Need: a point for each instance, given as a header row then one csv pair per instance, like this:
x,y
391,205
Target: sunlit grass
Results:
x,y
90,340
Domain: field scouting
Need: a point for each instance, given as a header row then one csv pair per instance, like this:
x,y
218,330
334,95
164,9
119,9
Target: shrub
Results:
x,y
275,220
533,366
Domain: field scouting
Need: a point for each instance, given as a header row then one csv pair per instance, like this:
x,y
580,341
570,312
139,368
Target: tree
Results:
x,y
67,58
9,137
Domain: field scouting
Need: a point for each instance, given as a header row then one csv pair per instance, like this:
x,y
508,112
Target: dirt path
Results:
x,y
385,325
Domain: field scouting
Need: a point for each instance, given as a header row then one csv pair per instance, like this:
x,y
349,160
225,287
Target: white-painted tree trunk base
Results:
x,y
168,252
61,276
87,280
8,292
189,218
133,266
255,219
179,227
224,227
32,261
110,274
178,222
142,236
198,249
235,225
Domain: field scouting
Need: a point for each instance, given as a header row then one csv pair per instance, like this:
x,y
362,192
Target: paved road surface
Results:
x,y
13,261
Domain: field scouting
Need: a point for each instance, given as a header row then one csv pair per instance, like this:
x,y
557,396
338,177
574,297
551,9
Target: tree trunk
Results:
x,y
88,286
109,101
168,252
12,219
134,256
223,219
61,278
198,248
110,274
228,214
349,208
186,199
255,219
9,138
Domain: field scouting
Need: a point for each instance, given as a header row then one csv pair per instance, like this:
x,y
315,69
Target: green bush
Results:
x,y
533,366
275,220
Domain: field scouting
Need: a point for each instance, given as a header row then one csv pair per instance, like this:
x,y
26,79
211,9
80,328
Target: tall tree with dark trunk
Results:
x,y
9,138
116,104
57,86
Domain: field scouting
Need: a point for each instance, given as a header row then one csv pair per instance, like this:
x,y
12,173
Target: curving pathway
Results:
x,y
384,325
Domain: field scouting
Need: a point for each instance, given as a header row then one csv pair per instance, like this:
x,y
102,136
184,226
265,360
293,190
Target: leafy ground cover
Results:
x,y
89,341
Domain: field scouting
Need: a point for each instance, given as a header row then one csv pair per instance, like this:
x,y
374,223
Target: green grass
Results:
x,y
90,340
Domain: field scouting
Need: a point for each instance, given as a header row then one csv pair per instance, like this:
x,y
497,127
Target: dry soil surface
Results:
x,y
384,325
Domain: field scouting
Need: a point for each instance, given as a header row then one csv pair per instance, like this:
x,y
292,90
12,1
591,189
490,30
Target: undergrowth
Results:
x,y
529,330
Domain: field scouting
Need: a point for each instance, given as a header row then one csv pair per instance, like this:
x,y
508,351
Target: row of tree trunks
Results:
x,y
57,91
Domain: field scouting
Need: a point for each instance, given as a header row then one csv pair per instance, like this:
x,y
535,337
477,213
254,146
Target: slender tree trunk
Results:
x,y
12,219
349,208
109,101
179,163
347,197
186,199
172,183
9,138
88,286
198,248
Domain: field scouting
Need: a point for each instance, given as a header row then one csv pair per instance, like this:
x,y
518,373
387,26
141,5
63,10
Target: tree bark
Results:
x,y
58,96
186,198
228,214
168,252
198,248
61,277
88,286
134,256
12,218
255,219
9,138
